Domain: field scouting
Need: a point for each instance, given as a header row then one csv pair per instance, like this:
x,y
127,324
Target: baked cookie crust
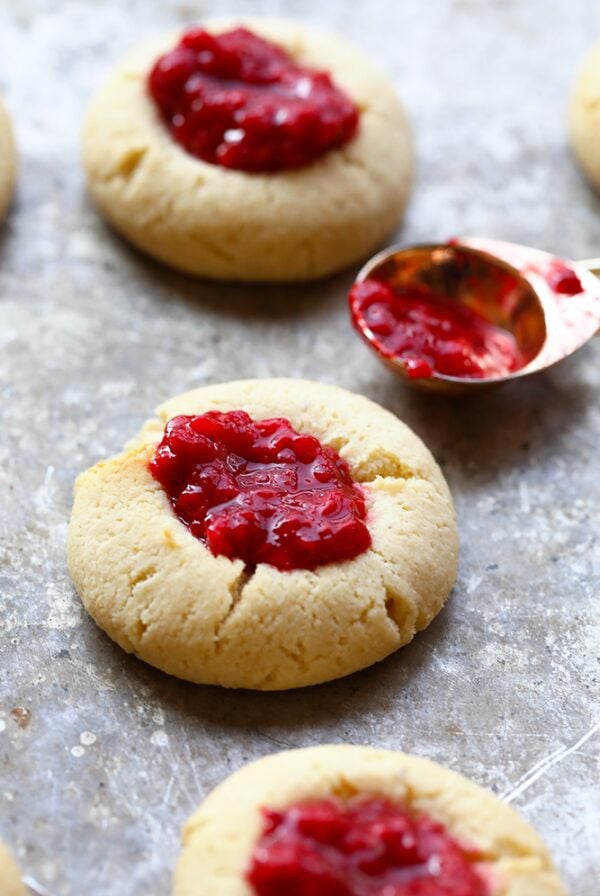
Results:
x,y
584,117
7,160
213,222
10,878
220,837
160,593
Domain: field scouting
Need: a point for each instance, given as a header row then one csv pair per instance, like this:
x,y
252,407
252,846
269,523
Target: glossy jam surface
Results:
x,y
367,848
260,492
432,333
563,279
239,101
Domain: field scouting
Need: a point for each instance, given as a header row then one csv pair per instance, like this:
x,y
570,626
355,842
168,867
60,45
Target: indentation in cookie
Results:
x,y
240,101
366,847
260,491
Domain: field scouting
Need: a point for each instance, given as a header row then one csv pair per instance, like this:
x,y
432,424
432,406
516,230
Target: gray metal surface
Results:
x,y
109,756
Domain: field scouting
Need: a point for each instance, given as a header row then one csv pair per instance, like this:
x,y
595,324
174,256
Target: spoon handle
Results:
x,y
592,264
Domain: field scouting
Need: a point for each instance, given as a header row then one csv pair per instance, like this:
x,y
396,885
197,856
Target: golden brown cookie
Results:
x,y
160,593
584,116
215,222
220,838
7,160
10,879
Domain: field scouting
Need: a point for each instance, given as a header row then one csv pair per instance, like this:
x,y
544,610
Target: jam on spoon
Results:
x,y
471,313
432,333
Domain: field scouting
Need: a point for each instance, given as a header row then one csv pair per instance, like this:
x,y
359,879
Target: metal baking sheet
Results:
x,y
101,757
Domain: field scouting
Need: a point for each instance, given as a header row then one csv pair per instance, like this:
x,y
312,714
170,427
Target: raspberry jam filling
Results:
x,y
258,491
239,101
432,333
367,848
563,279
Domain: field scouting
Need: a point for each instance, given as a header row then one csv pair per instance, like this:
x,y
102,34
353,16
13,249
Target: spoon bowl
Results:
x,y
549,306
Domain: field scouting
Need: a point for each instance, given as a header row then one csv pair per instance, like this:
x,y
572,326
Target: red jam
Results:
x,y
239,101
432,333
563,279
367,848
258,491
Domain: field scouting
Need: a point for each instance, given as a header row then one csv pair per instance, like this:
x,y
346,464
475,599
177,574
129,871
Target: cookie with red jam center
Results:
x,y
253,151
237,100
356,821
265,534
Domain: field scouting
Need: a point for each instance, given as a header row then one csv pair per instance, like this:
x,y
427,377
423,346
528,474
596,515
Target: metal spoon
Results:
x,y
512,286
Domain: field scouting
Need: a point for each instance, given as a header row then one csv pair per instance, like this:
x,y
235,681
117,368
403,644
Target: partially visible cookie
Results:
x,y
211,221
584,116
7,160
318,816
10,879
252,616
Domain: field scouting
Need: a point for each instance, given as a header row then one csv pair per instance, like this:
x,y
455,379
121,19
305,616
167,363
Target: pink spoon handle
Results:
x,y
592,264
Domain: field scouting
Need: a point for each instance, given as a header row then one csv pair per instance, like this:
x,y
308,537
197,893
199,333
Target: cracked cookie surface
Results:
x,y
160,593
226,224
10,879
7,160
220,837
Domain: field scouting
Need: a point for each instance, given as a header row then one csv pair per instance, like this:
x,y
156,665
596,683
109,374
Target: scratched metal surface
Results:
x,y
101,758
